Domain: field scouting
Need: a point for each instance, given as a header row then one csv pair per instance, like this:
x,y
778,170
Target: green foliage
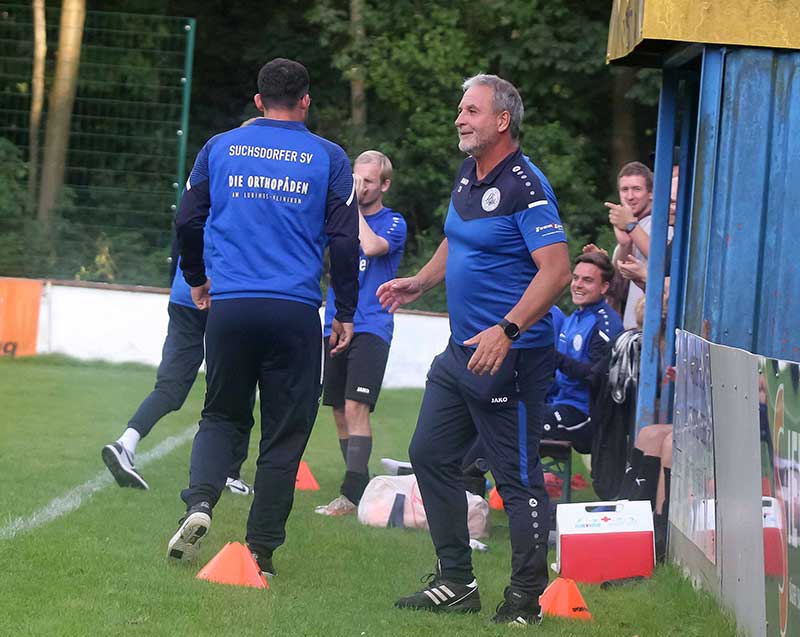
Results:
x,y
114,216
419,249
414,57
13,175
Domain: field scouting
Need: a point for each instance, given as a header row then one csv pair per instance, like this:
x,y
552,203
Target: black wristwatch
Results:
x,y
630,227
511,329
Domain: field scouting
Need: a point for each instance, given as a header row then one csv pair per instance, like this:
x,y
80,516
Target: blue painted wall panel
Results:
x,y
778,330
741,182
703,188
744,255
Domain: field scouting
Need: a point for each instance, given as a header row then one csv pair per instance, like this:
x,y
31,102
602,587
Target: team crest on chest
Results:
x,y
490,200
577,342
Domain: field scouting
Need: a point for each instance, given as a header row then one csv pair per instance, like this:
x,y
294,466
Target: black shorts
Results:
x,y
565,422
357,373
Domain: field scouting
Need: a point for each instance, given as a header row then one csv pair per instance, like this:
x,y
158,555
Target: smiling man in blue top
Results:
x,y
505,262
267,199
584,339
353,379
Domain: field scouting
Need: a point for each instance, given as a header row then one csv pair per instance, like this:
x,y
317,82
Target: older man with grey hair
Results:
x,y
504,261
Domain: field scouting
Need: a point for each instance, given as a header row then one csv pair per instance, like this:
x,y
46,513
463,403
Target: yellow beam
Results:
x,y
635,24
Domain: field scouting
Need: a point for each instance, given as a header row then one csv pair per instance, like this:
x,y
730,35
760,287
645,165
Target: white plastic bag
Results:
x,y
381,494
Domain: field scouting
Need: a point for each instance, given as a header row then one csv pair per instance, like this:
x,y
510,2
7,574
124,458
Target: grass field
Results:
x,y
101,569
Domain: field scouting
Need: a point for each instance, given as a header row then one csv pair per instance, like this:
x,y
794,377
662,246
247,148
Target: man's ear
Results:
x,y
604,287
386,185
257,101
305,101
503,121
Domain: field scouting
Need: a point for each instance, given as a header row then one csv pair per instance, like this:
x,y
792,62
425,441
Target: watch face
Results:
x,y
512,331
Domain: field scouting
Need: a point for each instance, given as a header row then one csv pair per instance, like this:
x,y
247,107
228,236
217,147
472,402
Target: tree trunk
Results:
x,y
37,97
358,100
62,98
623,120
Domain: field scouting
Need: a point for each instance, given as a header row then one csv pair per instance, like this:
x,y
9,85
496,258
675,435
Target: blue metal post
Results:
x,y
656,261
680,239
702,196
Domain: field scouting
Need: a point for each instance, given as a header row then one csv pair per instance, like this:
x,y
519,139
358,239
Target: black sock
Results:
x,y
646,483
660,536
667,480
359,449
630,474
343,446
353,486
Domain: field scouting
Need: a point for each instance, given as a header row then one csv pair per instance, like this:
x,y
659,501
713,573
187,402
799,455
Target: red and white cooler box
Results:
x,y
601,541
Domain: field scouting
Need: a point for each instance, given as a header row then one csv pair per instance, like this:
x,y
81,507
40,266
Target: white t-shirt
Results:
x,y
634,291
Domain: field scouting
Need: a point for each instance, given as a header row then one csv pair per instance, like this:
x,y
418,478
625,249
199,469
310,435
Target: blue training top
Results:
x,y
274,195
372,272
585,337
493,225
180,292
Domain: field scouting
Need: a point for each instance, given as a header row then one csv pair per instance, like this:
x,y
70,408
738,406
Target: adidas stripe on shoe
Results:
x,y
185,544
120,464
444,596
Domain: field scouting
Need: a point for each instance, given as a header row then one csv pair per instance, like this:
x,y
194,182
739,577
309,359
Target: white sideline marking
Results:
x,y
73,498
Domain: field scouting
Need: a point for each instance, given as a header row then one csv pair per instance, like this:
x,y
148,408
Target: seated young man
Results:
x,y
585,338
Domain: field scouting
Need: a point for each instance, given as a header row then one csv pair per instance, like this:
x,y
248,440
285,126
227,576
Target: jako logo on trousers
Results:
x,y
500,399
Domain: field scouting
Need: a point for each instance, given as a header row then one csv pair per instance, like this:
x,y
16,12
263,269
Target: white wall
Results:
x,y
130,326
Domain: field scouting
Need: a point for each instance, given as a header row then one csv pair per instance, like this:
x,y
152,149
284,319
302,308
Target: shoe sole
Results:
x,y
520,622
185,544
124,477
442,609
470,605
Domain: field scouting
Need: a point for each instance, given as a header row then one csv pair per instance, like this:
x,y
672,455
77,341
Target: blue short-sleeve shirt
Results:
x,y
372,272
492,227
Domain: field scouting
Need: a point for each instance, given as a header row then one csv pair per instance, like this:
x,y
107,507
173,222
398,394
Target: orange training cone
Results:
x,y
495,501
563,599
234,564
305,479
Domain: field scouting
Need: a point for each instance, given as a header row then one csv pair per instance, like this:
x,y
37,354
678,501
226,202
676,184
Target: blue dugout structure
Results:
x,y
730,99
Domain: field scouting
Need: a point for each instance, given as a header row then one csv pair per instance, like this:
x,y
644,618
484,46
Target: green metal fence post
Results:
x,y
183,131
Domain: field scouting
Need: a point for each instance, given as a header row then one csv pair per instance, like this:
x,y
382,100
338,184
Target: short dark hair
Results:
x,y
282,83
637,169
601,261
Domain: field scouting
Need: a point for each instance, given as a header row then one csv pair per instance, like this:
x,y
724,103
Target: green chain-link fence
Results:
x,y
126,150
